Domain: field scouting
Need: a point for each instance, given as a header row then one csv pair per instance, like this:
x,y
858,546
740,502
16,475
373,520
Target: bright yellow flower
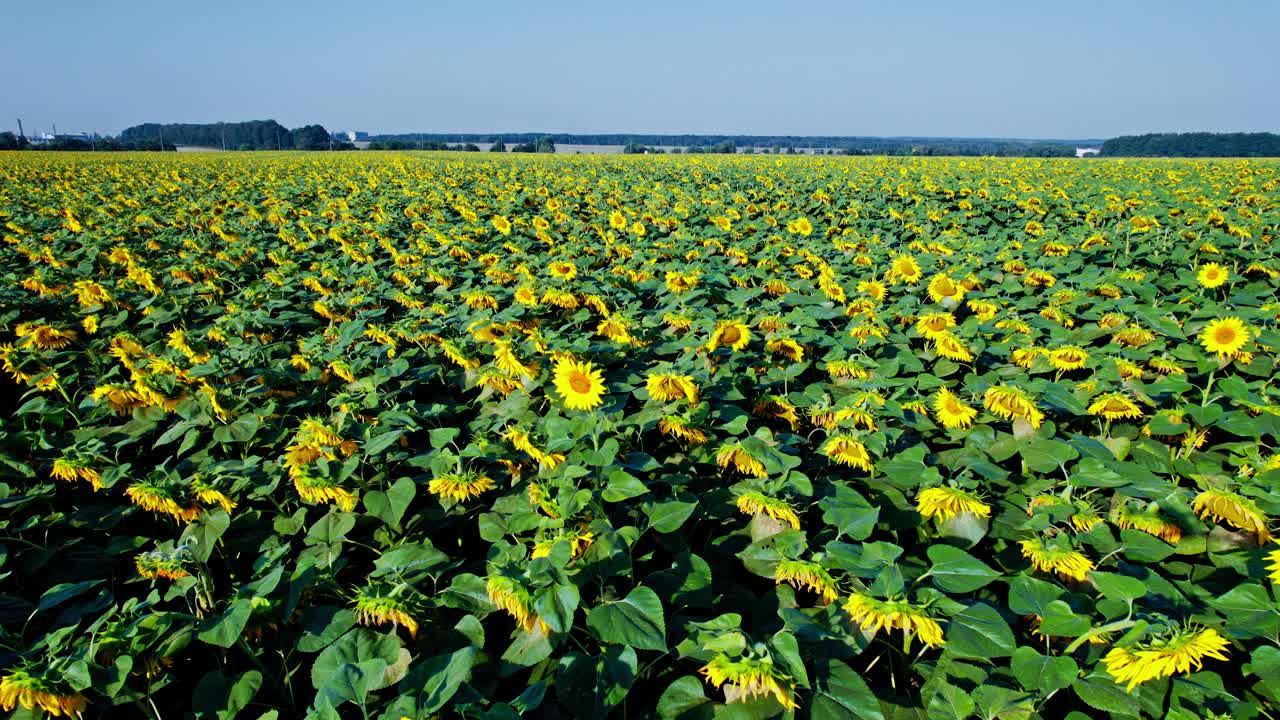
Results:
x,y
580,384
1115,406
847,450
1012,403
757,503
876,615
944,503
1058,558
668,387
460,487
1238,511
810,576
33,692
951,411
1225,336
733,334
373,609
748,678
1212,275
1178,653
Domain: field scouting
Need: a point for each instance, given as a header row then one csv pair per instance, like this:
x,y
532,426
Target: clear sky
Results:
x,y
1076,69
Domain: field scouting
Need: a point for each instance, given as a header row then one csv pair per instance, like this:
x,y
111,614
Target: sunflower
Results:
x,y
579,383
460,487
944,503
847,370
1115,406
787,348
951,347
935,325
1212,275
1224,336
155,564
668,387
905,268
951,411
807,576
747,678
848,450
1149,521
1177,652
37,692
374,609
777,407
1011,403
579,540
943,288
316,489
1057,557
757,503
501,224
681,429
512,596
1068,357
1238,511
875,615
563,270
157,498
733,334
734,454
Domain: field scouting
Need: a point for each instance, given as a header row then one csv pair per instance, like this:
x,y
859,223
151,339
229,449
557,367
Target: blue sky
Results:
x,y
991,69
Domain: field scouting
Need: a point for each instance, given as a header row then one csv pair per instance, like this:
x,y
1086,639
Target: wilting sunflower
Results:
x,y
951,347
1149,521
1058,557
804,575
944,503
787,348
847,450
33,691
681,429
460,487
1224,336
374,608
316,489
1177,652
757,503
874,615
951,411
157,497
1115,406
1011,403
579,540
1068,357
668,387
1238,511
733,334
156,564
69,470
579,383
510,595
747,678
1212,275
735,455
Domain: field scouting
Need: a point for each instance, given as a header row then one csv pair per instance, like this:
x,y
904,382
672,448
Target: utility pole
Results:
x,y
21,134
223,128
160,129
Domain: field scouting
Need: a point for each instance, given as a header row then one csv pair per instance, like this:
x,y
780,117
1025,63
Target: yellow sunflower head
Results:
x,y
580,384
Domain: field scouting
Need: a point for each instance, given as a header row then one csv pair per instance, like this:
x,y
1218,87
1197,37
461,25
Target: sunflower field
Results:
x,y
429,435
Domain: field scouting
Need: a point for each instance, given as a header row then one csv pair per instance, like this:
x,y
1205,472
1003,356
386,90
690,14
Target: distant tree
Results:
x,y
545,145
498,146
8,141
309,137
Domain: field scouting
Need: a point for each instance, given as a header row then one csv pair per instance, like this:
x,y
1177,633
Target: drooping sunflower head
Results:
x,y
733,334
1148,520
944,503
736,455
1068,357
159,497
1177,652
1115,406
757,503
580,384
375,606
1236,510
873,614
1057,556
669,387
1011,403
950,346
34,690
951,411
805,575
512,596
681,429
460,487
847,450
748,677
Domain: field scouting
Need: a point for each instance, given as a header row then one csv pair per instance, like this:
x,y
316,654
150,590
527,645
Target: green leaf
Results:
x,y
1043,674
1118,587
681,698
979,632
360,647
667,517
433,683
636,620
224,630
623,486
839,693
957,571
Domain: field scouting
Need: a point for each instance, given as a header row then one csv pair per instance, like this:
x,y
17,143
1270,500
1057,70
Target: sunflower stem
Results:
x,y
1109,627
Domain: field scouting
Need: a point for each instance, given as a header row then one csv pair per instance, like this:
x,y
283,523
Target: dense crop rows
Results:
x,y
402,436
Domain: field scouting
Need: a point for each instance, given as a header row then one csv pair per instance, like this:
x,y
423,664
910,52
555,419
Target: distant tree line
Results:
x,y
1199,144
424,145
9,141
250,135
